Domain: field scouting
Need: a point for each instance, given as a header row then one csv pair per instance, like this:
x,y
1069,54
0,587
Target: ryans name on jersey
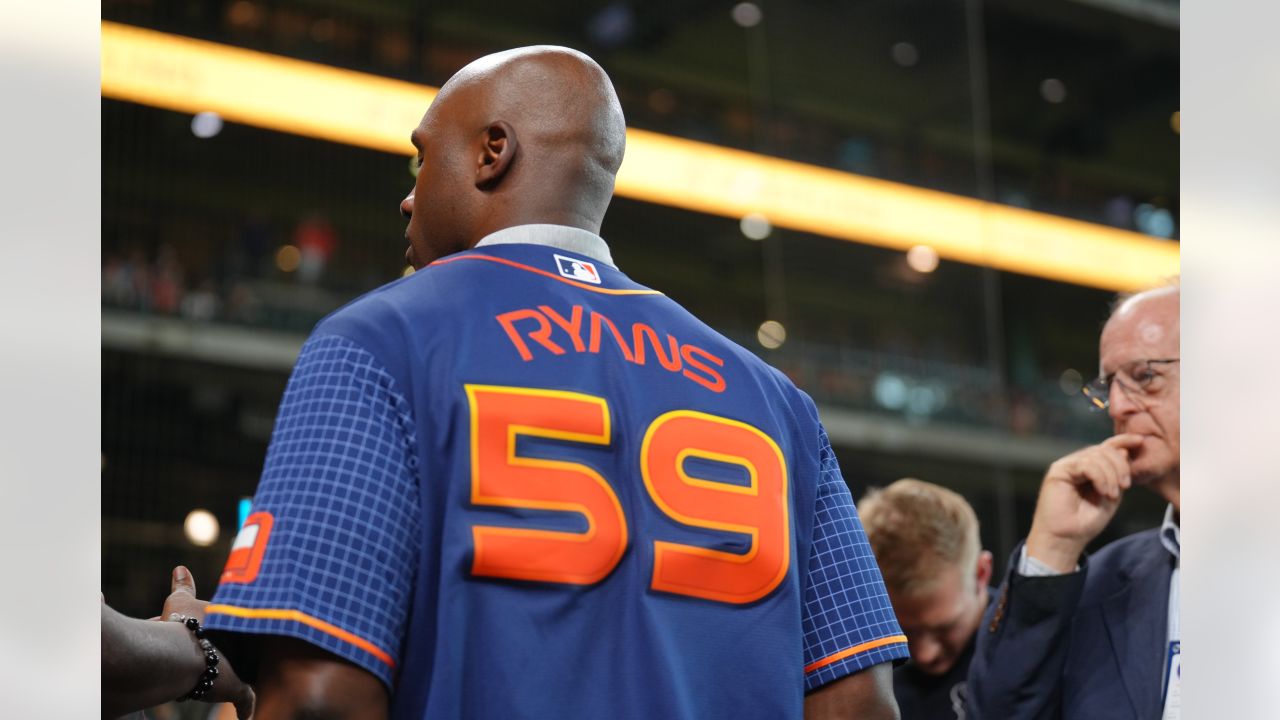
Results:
x,y
557,334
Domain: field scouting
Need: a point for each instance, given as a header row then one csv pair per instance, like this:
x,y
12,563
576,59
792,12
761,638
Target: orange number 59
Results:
x,y
499,477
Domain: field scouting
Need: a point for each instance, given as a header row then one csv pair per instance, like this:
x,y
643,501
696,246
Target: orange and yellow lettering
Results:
x,y
542,334
500,478
759,510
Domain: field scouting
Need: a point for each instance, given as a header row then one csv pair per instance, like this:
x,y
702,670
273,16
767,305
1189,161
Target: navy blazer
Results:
x,y
1087,645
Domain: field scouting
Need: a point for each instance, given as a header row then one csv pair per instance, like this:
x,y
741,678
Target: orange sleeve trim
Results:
x,y
870,645
522,266
305,619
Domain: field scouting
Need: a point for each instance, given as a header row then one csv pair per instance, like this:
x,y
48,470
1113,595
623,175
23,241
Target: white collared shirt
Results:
x,y
561,237
1171,539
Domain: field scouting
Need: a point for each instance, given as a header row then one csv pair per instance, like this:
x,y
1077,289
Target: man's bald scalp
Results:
x,y
1126,303
557,98
533,135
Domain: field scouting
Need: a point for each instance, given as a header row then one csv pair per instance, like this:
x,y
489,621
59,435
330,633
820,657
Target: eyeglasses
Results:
x,y
1140,380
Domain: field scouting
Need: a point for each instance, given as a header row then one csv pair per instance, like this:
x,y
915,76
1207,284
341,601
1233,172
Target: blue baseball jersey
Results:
x,y
518,484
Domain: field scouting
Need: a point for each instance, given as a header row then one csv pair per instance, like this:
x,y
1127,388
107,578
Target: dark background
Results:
x,y
954,376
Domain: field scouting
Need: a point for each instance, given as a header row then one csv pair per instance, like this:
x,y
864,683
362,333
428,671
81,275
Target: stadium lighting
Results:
x,y
288,258
771,334
922,259
890,391
747,14
905,54
206,124
755,226
1053,90
201,528
313,100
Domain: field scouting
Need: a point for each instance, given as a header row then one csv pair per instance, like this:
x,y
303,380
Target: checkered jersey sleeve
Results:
x,y
329,552
849,624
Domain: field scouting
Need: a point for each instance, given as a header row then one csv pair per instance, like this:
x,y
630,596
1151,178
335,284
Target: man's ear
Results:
x,y
985,567
497,152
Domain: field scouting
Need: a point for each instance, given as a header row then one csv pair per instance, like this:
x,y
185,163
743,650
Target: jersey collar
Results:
x,y
561,237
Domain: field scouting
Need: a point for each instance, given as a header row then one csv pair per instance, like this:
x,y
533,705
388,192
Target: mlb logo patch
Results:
x,y
247,550
578,269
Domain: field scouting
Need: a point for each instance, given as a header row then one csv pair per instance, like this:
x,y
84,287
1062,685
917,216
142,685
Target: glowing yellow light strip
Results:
x,y
303,98
269,91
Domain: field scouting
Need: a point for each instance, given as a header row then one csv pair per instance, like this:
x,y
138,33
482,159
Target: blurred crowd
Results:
x,y
888,375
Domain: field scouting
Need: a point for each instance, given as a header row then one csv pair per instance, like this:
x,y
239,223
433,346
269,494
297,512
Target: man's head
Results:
x,y
925,539
531,135
1144,396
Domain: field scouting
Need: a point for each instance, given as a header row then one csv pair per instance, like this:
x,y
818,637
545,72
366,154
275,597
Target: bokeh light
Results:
x,y
922,259
905,54
890,391
755,226
747,14
206,124
201,528
1053,90
771,334
288,258
1070,382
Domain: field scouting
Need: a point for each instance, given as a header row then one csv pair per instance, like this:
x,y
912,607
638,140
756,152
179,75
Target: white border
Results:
x,y
1231,349
50,459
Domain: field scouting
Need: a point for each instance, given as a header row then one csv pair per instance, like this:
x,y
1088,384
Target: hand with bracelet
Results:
x,y
149,662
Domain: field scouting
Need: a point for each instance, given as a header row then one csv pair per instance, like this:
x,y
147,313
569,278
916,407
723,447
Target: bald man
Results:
x,y
1097,637
518,484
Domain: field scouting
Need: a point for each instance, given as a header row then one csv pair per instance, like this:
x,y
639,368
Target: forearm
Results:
x,y
287,706
145,663
298,681
865,695
1061,554
1021,647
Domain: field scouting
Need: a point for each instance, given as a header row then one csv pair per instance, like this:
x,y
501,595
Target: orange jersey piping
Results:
x,y
305,619
863,647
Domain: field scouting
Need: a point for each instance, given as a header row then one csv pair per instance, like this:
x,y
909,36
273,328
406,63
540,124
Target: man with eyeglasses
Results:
x,y
1097,637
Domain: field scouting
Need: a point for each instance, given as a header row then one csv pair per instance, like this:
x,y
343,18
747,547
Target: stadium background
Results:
x,y
964,375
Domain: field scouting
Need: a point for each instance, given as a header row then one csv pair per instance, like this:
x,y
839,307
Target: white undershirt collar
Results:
x,y
561,237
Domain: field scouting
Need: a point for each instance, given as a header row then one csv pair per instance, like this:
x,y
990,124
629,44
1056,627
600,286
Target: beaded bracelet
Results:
x,y
205,683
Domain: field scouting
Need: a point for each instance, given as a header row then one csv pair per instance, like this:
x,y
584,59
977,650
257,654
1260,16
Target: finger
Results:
x,y
1073,469
1101,475
244,705
1124,440
182,580
1113,478
1119,459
